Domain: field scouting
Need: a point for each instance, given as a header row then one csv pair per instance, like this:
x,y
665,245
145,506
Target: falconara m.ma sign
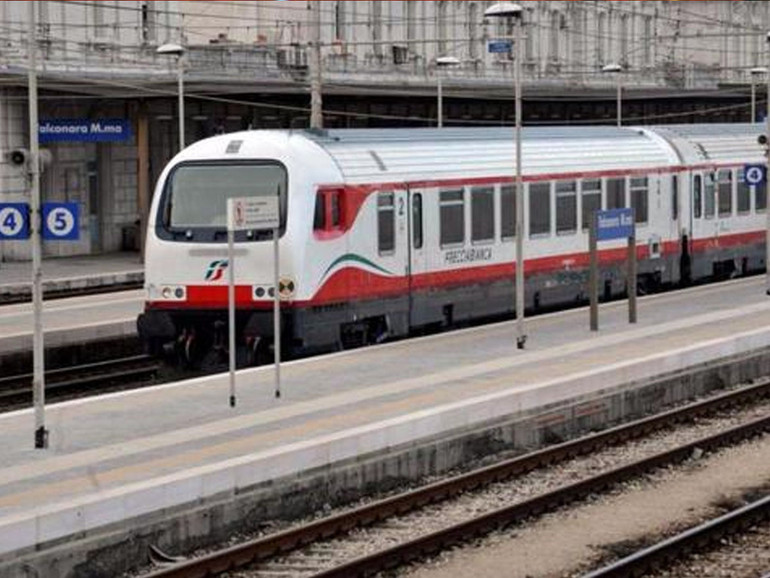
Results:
x,y
84,130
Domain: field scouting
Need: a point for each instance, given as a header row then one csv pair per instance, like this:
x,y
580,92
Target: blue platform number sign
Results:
x,y
755,174
614,224
61,221
499,46
14,221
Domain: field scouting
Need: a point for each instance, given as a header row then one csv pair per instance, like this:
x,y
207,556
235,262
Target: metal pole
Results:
x,y
276,314
231,300
521,336
316,104
767,172
440,113
632,277
620,100
753,100
38,346
180,90
593,274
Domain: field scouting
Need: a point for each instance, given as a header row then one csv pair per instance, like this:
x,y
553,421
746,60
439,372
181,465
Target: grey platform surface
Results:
x,y
71,321
131,453
65,273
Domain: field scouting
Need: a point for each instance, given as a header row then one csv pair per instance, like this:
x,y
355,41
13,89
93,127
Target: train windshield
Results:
x,y
195,200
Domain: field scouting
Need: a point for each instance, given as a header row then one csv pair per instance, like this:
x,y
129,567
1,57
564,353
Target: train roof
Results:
x,y
715,143
376,155
410,154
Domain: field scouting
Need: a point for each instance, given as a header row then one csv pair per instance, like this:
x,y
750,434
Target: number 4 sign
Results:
x,y
61,221
14,221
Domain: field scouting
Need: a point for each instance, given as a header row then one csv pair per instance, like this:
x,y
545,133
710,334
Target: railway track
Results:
x,y
676,548
307,550
52,294
16,390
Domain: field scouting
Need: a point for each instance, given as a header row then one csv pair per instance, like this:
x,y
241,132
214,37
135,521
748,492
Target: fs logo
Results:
x,y
216,270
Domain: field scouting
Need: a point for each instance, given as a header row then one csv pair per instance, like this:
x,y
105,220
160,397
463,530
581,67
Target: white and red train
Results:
x,y
385,232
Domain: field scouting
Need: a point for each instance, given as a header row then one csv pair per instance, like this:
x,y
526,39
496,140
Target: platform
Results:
x,y
65,274
140,455
71,321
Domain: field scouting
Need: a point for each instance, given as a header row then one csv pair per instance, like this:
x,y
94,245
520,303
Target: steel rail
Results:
x,y
17,388
54,294
261,549
681,545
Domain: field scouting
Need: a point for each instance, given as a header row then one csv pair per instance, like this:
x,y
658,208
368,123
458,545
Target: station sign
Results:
x,y
614,224
755,174
61,221
253,214
499,46
14,221
84,130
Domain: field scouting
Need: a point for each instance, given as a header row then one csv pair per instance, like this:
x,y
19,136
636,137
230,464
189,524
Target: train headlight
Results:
x,y
173,293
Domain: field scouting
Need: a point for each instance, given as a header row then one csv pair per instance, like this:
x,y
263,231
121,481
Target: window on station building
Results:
x,y
340,25
452,217
417,226
591,199
725,187
674,197
386,223
539,209
376,12
640,199
507,212
616,193
482,214
410,9
743,193
566,207
709,195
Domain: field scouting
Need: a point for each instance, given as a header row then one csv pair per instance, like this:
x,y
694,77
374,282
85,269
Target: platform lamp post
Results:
x,y
755,72
767,171
178,51
443,62
510,10
616,69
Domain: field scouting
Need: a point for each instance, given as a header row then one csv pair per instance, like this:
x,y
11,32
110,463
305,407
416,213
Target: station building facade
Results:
x,y
247,65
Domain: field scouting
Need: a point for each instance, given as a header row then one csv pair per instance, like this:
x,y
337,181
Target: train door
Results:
x,y
418,261
393,248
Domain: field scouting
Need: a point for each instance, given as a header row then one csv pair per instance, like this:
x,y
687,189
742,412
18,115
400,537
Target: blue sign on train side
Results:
x,y
614,224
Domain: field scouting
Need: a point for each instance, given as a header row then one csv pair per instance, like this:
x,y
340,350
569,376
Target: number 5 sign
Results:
x,y
61,221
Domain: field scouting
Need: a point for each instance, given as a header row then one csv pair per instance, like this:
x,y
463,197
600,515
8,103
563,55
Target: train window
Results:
x,y
452,209
709,196
566,207
744,193
725,187
319,218
591,199
640,198
195,196
697,196
674,197
334,221
386,223
539,209
760,194
507,212
417,221
616,193
482,214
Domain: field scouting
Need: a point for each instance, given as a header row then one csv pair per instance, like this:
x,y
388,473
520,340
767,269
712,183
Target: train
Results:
x,y
390,232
